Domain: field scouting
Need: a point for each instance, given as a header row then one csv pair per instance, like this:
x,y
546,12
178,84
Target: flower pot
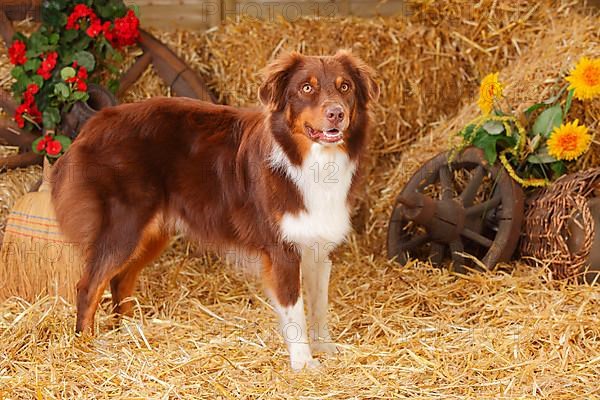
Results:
x,y
82,111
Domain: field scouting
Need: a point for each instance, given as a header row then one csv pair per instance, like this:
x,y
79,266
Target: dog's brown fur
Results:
x,y
138,170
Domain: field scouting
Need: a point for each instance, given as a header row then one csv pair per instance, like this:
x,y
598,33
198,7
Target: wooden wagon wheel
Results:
x,y
456,208
171,68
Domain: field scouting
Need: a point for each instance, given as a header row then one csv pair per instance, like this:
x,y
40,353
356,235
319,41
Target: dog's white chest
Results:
x,y
323,180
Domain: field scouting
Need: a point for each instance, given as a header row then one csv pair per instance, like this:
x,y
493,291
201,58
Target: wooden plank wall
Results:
x,y
203,14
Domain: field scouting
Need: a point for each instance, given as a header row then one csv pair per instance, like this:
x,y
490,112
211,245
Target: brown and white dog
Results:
x,y
275,180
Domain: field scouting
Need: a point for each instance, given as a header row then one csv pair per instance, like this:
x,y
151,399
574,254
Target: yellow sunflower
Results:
x,y
569,141
585,78
490,90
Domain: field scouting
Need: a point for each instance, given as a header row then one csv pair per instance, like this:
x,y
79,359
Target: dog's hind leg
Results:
x,y
118,237
282,280
153,242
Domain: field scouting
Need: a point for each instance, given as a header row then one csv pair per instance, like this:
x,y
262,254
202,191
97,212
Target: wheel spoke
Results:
x,y
470,191
477,238
457,248
446,181
414,242
436,254
485,206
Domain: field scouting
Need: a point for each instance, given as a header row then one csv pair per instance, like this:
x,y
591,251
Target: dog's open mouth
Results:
x,y
331,135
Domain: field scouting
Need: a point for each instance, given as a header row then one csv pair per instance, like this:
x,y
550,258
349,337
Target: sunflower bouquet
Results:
x,y
536,146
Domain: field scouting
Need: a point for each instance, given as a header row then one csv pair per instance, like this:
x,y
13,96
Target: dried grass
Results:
x,y
201,330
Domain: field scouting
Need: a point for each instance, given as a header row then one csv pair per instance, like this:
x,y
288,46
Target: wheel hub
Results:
x,y
444,220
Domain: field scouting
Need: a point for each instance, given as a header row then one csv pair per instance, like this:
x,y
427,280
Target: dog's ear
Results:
x,y
362,74
276,75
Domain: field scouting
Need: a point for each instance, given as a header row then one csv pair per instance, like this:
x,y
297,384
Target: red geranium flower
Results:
x,y
53,147
19,118
95,27
79,79
30,109
126,30
16,53
42,143
81,86
33,88
48,64
82,73
80,11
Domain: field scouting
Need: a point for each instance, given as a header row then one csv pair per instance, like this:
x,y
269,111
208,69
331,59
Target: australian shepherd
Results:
x,y
276,180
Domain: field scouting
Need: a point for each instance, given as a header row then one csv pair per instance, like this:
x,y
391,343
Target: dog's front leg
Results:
x,y
316,269
282,279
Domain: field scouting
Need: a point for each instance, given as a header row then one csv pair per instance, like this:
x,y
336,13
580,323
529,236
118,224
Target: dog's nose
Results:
x,y
334,113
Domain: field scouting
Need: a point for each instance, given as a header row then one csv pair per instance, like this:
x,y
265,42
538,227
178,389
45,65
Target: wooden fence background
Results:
x,y
203,14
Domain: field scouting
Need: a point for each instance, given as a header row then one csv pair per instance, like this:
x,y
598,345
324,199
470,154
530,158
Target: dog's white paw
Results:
x,y
309,364
325,347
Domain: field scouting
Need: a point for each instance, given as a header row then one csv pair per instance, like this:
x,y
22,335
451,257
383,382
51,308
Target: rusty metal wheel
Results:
x,y
457,209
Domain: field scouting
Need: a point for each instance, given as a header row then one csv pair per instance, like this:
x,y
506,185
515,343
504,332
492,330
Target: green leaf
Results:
x,y
80,96
136,10
62,90
558,168
488,144
541,157
34,145
467,132
70,35
533,108
38,42
38,80
85,59
53,38
17,72
32,64
64,141
67,72
18,88
50,117
568,102
113,85
547,121
81,44
493,127
32,53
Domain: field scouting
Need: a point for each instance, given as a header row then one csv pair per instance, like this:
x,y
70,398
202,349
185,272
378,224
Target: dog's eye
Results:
x,y
344,87
307,88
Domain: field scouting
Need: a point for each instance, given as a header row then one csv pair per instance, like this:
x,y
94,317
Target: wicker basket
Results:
x,y
561,223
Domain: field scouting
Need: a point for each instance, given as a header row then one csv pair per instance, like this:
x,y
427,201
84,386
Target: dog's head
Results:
x,y
319,98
